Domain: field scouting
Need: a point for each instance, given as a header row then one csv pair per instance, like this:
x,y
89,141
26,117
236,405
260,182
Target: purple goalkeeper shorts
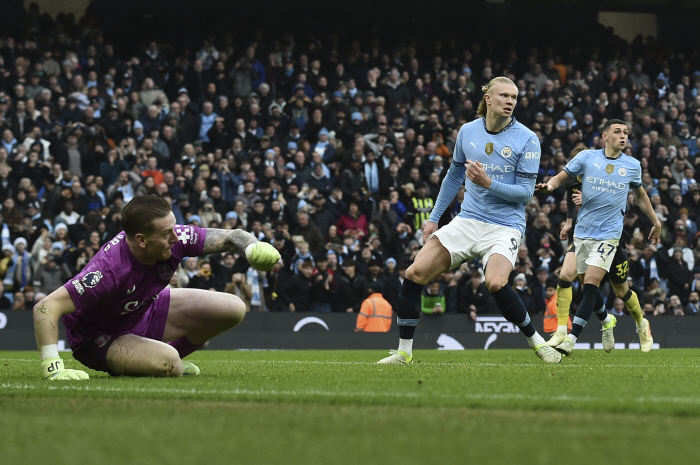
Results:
x,y
91,349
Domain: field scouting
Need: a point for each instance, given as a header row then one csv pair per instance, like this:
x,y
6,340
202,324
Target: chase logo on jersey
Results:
x,y
609,169
489,148
91,279
622,172
506,152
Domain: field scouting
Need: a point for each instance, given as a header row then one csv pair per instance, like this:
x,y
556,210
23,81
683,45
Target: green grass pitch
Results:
x,y
339,407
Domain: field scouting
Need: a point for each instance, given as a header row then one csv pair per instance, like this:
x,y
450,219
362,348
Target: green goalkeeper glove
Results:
x,y
53,369
262,256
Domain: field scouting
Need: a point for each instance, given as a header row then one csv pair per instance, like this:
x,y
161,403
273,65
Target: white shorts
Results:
x,y
591,252
467,239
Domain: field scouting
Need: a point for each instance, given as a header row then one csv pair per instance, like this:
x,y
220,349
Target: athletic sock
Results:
x,y
591,294
632,303
564,298
513,309
563,329
599,309
408,308
406,345
184,347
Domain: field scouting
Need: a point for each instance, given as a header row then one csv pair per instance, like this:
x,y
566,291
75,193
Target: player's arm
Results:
x,y
642,200
525,175
553,183
261,255
449,188
46,315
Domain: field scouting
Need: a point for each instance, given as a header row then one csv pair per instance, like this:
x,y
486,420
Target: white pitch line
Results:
x,y
361,394
458,364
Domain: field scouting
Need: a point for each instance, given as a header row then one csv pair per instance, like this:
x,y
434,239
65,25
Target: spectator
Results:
x,y
433,299
239,287
375,313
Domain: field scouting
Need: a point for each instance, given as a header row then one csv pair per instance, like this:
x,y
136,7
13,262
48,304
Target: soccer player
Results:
x,y
606,177
118,315
618,278
500,157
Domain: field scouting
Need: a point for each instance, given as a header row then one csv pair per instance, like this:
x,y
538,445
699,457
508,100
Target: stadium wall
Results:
x,y
284,331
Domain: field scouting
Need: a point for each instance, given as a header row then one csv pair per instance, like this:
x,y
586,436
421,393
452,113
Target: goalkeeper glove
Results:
x,y
53,369
262,256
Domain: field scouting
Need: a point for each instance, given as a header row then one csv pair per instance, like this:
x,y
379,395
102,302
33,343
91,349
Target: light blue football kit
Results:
x,y
605,183
511,158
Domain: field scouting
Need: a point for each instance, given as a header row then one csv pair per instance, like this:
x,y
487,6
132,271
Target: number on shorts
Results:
x,y
622,269
601,249
514,249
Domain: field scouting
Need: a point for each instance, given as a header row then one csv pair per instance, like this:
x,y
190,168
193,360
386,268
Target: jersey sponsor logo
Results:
x,y
78,287
131,290
91,279
102,340
605,185
609,169
498,168
165,272
489,148
506,152
186,234
532,155
135,305
622,172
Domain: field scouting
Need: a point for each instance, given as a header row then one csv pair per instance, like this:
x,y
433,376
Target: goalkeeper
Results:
x,y
119,317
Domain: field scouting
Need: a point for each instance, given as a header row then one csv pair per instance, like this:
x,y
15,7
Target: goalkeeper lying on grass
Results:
x,y
118,315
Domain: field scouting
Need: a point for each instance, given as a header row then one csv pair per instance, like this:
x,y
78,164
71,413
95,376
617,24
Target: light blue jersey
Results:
x,y
510,157
605,183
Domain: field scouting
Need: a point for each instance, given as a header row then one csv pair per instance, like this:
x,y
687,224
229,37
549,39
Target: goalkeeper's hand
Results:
x,y
54,370
262,256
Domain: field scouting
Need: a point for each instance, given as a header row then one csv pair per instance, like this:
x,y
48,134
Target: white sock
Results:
x,y
641,325
406,345
535,340
607,320
572,337
562,329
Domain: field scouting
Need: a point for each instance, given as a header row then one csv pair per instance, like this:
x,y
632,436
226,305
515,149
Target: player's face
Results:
x,y
160,242
616,136
502,98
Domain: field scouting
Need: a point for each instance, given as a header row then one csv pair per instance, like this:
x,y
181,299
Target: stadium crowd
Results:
x,y
333,153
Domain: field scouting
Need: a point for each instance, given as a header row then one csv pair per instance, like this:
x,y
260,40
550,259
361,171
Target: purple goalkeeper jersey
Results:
x,y
114,291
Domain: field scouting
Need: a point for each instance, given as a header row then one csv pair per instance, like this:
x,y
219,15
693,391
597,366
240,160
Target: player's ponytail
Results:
x,y
481,111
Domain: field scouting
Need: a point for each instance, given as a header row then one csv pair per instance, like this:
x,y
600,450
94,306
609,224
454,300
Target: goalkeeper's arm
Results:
x,y
261,255
46,315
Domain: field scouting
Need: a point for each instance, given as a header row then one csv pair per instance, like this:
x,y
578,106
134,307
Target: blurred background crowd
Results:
x,y
331,146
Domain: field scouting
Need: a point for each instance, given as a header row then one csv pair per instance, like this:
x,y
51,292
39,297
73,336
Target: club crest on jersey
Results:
x,y
506,152
102,340
165,272
489,148
622,172
91,279
609,169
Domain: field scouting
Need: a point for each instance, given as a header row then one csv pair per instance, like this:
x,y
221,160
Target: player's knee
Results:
x,y
167,363
234,311
418,274
495,283
619,290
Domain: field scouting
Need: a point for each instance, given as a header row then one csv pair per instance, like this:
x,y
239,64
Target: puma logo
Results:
x,y
597,165
473,145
